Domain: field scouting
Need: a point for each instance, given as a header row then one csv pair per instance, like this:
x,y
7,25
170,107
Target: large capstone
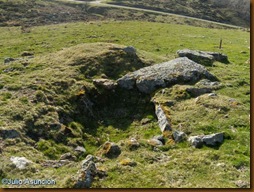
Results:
x,y
177,71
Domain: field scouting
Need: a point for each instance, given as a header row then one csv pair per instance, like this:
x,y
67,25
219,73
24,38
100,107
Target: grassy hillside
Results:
x,y
42,99
26,13
235,12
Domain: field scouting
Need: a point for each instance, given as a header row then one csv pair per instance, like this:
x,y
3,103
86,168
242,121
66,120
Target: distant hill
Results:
x,y
235,12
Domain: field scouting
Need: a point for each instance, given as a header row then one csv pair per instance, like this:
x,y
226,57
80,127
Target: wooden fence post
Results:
x,y
220,43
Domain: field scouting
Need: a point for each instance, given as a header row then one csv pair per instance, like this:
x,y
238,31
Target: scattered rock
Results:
x,y
196,141
128,162
155,142
9,133
27,53
20,162
80,150
213,139
208,140
194,92
130,50
179,136
105,83
111,150
219,57
242,184
68,156
145,121
160,138
132,144
8,60
200,57
55,163
205,83
212,95
86,173
163,121
180,70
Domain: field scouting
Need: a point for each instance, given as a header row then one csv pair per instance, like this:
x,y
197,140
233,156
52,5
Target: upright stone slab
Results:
x,y
163,121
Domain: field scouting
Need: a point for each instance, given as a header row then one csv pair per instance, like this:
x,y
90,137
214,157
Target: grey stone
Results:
x,y
160,138
219,57
130,50
27,53
242,184
194,92
105,83
163,121
179,136
55,163
20,162
155,142
213,139
132,144
200,57
8,60
86,173
203,57
149,79
111,150
68,156
208,140
80,149
205,83
212,95
196,141
145,121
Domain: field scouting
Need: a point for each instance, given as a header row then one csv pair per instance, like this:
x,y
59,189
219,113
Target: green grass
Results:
x,y
52,85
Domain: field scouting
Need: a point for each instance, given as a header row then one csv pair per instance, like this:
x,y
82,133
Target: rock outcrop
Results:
x,y
177,71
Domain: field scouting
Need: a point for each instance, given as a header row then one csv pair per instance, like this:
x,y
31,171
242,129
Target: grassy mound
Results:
x,y
49,105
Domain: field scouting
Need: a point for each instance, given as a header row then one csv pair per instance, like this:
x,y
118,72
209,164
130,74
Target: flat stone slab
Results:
x,y
177,71
203,57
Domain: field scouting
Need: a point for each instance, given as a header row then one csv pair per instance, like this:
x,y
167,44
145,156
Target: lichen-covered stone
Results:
x,y
111,150
196,141
105,83
179,136
163,120
213,139
86,173
149,79
203,57
200,57
132,144
155,142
